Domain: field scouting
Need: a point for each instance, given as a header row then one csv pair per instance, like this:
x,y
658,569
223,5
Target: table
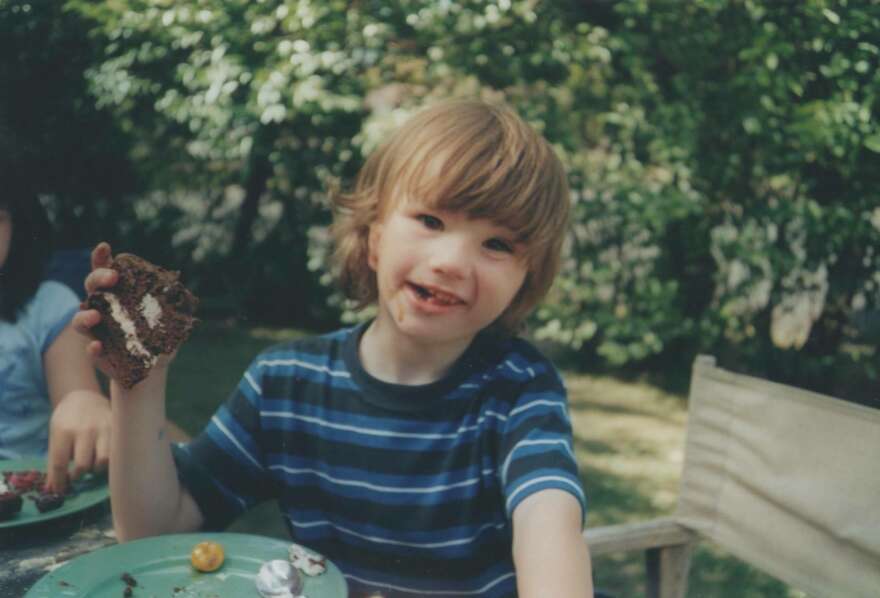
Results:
x,y
29,552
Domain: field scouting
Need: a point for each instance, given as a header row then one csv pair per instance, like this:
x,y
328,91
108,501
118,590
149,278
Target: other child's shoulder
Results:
x,y
52,305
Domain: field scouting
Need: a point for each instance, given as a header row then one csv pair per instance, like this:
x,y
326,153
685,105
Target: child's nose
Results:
x,y
452,258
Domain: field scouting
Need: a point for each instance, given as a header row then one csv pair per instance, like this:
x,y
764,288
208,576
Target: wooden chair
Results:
x,y
784,479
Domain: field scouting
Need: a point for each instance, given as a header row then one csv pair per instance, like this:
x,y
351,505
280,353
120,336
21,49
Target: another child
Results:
x,y
429,451
49,394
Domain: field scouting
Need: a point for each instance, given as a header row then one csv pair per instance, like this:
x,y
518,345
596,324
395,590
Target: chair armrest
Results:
x,y
656,533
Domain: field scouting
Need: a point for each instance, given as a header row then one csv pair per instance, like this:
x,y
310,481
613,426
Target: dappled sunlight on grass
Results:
x,y
209,366
629,441
715,573
276,335
614,498
640,433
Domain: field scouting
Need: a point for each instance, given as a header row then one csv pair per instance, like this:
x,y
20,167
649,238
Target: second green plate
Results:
x,y
89,491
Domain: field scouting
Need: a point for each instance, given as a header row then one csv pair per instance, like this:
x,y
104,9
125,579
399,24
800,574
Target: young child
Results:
x,y
429,451
49,393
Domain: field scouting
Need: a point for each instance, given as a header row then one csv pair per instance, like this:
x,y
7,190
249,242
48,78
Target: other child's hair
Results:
x,y
464,156
29,250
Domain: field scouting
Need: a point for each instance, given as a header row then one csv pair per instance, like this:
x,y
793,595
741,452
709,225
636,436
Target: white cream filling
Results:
x,y
132,342
151,310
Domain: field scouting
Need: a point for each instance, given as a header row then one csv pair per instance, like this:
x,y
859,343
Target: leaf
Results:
x,y
831,16
873,143
752,125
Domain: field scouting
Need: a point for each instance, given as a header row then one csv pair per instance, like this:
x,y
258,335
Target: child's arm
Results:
x,y
146,496
145,493
79,430
549,553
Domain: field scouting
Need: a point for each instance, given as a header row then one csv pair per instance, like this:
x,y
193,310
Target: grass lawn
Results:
x,y
628,438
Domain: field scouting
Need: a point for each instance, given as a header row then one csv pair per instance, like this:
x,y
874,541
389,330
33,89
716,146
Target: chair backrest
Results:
x,y
785,479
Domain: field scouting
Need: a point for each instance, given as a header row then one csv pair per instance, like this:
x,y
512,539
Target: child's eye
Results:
x,y
499,245
431,222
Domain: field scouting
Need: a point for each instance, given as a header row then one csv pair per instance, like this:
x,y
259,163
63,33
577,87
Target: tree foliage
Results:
x,y
759,241
53,139
723,154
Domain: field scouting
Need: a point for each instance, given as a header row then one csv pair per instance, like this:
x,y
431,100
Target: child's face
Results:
x,y
5,234
443,276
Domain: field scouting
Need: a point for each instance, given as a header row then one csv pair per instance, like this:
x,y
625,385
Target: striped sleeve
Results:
x,y
536,446
223,468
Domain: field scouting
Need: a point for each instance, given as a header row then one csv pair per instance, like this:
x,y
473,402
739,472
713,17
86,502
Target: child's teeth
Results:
x,y
436,296
443,298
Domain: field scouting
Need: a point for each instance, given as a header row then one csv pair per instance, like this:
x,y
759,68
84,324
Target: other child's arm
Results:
x,y
79,430
549,553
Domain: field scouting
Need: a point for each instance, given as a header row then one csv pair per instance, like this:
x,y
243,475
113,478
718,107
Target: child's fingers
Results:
x,y
94,349
60,448
102,451
84,321
101,255
83,455
101,278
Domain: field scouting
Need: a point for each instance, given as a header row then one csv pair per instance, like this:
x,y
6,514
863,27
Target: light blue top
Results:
x,y
24,396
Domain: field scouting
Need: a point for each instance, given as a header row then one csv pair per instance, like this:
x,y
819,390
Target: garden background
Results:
x,y
724,158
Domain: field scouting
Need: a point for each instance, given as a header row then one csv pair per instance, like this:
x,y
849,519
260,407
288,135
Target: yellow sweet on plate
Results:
x,y
207,556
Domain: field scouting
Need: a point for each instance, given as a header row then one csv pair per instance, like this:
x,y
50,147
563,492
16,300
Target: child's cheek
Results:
x,y
373,241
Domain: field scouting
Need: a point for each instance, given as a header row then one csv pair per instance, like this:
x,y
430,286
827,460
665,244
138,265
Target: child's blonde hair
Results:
x,y
461,155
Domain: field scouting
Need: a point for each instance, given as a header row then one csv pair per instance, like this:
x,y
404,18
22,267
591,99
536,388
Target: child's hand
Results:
x,y
103,277
79,431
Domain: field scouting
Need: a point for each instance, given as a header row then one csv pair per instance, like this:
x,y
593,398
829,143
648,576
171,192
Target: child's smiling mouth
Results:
x,y
433,295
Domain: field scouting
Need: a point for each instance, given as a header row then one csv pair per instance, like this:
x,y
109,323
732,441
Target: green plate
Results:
x,y
89,491
161,567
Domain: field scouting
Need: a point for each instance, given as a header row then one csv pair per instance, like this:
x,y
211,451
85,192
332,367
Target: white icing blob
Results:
x,y
151,310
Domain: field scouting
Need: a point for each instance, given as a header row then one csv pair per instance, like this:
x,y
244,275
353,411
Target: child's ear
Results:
x,y
373,240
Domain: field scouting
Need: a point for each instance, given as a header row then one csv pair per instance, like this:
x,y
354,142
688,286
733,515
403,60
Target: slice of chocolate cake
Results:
x,y
47,501
10,504
147,313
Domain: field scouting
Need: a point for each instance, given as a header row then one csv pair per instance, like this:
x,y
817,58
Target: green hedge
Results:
x,y
724,156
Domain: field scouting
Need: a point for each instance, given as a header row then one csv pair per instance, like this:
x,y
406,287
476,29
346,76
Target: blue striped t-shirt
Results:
x,y
410,490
